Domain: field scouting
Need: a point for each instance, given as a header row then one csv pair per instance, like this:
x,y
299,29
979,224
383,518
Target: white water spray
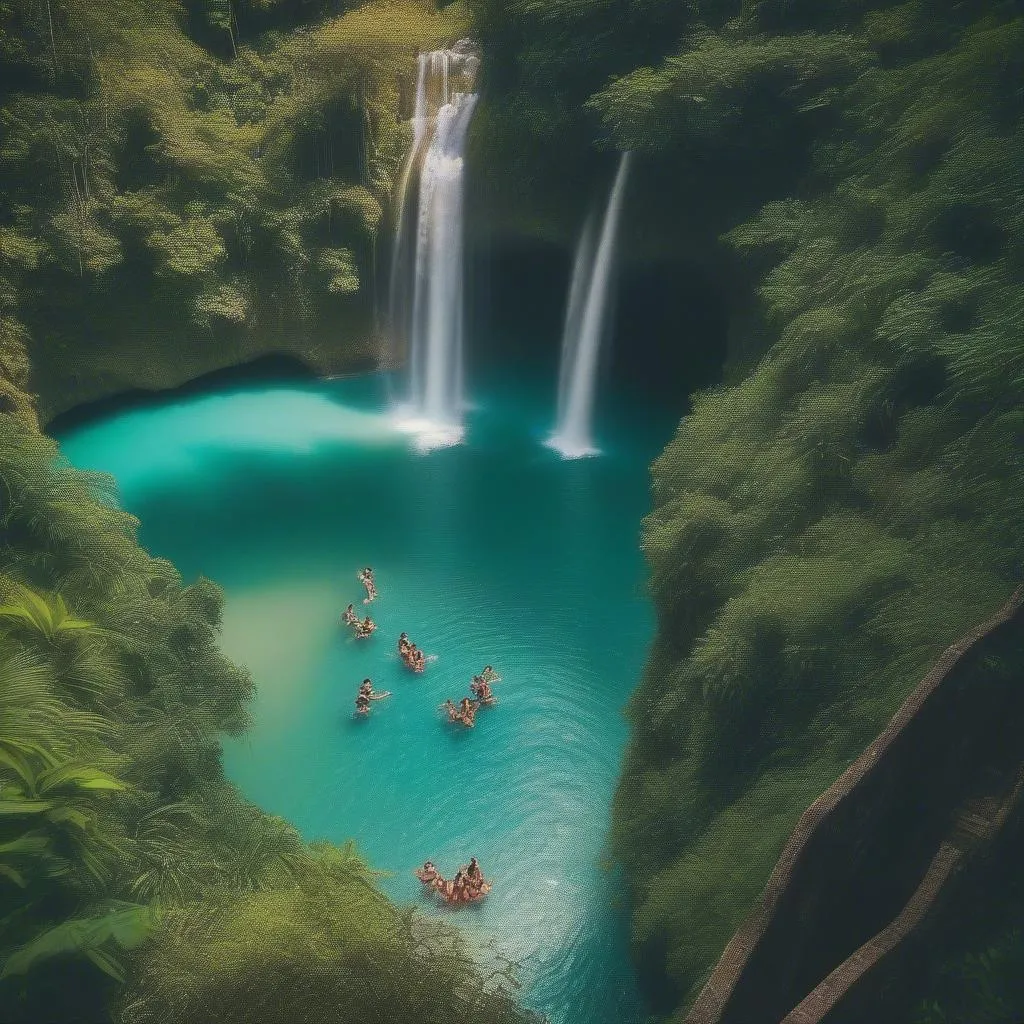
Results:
x,y
585,328
432,322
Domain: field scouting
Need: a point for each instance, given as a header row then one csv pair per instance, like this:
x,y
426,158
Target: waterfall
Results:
x,y
582,268
398,290
426,302
585,327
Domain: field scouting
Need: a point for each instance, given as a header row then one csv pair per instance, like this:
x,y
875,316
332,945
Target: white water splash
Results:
x,y
585,328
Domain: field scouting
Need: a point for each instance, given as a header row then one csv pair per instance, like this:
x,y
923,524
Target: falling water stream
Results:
x,y
427,311
584,329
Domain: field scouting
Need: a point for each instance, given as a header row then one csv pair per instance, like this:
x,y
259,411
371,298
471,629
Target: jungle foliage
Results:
x,y
848,503
135,881
196,177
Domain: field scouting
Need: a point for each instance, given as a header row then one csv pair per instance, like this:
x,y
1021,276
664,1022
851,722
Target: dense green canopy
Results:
x,y
155,189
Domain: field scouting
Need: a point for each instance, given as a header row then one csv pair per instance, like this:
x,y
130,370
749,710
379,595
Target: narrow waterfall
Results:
x,y
426,299
585,328
582,271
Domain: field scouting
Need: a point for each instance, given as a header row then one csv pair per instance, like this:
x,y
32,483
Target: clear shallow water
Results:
x,y
494,552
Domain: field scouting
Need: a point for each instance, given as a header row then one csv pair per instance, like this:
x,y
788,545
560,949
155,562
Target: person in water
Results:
x,y
481,689
467,886
362,704
349,617
365,628
428,874
413,657
489,675
367,580
366,688
467,711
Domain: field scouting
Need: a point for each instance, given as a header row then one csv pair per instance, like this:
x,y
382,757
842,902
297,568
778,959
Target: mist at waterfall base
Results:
x,y
496,551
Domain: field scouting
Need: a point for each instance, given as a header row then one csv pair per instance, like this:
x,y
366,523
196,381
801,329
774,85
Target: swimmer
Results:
x,y
366,690
467,712
403,644
481,689
475,876
489,675
419,661
365,628
349,617
427,874
362,704
459,893
366,578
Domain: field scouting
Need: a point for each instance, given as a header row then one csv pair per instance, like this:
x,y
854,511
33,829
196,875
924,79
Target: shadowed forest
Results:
x,y
191,186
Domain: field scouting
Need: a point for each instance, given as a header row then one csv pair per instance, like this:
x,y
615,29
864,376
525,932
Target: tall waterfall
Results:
x,y
585,328
426,300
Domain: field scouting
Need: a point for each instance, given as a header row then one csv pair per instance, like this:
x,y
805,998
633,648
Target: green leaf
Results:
x,y
19,765
28,747
14,611
27,845
81,777
25,806
15,876
125,928
108,964
80,819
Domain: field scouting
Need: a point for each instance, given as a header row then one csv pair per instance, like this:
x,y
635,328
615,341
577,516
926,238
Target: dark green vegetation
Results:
x,y
125,856
850,502
169,209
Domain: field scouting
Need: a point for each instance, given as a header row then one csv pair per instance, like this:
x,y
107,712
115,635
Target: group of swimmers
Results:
x,y
366,694
413,657
468,885
363,627
465,711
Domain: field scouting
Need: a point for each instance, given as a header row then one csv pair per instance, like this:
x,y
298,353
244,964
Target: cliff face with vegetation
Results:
x,y
187,186
848,502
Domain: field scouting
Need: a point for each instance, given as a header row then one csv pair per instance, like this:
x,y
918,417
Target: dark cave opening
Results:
x,y
668,321
275,367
